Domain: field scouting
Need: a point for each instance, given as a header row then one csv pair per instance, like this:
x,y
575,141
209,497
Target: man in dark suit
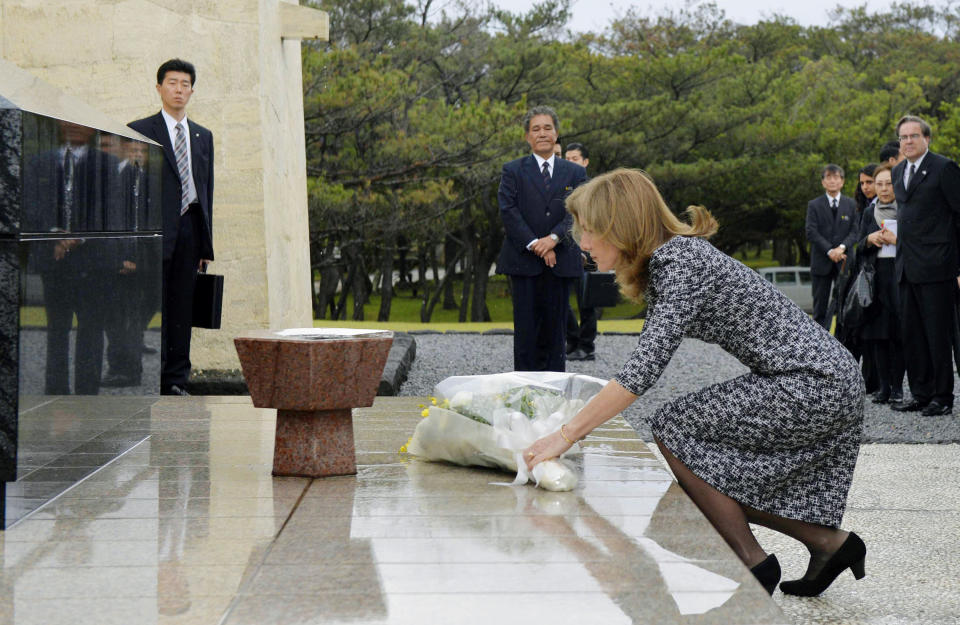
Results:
x,y
187,207
831,230
581,338
927,187
68,192
538,253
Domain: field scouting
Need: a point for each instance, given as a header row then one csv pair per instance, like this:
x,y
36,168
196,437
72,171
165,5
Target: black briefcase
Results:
x,y
599,290
207,301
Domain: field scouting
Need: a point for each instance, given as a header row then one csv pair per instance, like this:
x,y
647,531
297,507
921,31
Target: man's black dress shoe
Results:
x,y
850,555
768,573
115,379
579,354
880,397
896,397
936,409
173,389
913,405
148,350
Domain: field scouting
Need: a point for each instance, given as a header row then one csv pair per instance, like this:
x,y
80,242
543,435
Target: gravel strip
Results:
x,y
695,365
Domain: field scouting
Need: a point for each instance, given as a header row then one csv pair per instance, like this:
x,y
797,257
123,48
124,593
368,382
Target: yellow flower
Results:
x,y
446,403
433,400
403,449
425,413
421,405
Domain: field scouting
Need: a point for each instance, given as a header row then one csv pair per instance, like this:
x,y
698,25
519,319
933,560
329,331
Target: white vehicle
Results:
x,y
794,282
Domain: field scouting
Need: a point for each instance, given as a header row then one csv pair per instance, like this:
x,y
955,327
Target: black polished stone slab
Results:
x,y
80,286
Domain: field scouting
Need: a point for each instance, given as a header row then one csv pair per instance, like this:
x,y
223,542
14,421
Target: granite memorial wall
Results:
x,y
80,291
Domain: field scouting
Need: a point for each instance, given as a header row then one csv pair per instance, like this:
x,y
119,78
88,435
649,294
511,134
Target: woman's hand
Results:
x,y
546,448
887,237
875,238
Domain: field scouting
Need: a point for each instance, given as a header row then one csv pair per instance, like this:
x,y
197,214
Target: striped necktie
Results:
x,y
546,174
183,167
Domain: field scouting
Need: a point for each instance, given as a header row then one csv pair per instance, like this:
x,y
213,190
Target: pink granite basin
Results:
x,y
313,368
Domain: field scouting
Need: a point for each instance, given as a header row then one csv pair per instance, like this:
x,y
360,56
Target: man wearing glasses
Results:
x,y
927,187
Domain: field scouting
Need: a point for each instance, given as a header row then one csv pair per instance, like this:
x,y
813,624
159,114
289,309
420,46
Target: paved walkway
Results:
x,y
189,527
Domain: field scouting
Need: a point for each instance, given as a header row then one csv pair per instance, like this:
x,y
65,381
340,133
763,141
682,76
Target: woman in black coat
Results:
x,y
879,332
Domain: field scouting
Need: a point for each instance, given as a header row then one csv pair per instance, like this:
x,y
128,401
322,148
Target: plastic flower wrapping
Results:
x,y
488,420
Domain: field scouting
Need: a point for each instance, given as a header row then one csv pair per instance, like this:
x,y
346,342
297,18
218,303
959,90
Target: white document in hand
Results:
x,y
887,250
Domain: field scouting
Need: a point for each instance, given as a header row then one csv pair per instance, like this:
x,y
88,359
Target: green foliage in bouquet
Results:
x,y
527,400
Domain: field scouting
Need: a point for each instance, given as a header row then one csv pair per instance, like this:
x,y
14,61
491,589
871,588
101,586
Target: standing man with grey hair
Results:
x,y
927,187
538,253
832,228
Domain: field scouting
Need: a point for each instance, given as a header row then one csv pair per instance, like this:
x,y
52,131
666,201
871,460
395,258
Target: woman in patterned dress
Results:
x,y
776,446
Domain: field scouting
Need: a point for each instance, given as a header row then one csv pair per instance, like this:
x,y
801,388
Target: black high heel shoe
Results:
x,y
851,554
768,573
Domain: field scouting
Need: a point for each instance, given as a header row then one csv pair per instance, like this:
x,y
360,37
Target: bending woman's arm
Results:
x,y
608,403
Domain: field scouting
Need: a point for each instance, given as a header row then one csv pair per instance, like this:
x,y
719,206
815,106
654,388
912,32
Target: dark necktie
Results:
x,y
833,205
137,175
546,174
913,171
69,165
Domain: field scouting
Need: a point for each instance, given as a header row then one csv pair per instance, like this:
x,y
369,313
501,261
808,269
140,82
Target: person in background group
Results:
x,y
890,153
927,188
538,254
187,209
880,331
582,337
865,195
832,229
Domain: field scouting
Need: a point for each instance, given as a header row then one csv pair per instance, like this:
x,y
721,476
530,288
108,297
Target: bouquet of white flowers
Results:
x,y
488,420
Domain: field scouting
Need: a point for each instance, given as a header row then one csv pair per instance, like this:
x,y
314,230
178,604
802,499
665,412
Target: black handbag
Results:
x,y
599,290
208,301
860,296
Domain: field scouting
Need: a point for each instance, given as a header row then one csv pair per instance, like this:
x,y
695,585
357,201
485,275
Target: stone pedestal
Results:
x,y
313,377
314,443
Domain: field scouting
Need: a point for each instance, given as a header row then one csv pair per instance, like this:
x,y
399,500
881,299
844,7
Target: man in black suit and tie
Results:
x,y
187,207
927,187
538,253
831,230
68,191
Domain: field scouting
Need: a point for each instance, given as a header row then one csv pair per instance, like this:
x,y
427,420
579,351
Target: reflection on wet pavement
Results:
x,y
189,527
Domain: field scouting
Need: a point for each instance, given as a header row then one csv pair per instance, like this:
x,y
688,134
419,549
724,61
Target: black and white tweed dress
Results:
x,y
782,438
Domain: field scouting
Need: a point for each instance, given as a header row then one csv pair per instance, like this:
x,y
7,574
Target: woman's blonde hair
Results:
x,y
624,208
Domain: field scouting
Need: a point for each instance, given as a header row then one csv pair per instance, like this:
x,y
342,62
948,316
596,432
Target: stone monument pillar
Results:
x,y
248,92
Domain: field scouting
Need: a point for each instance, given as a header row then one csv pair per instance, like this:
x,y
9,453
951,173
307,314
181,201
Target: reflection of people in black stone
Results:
x,y
131,292
67,190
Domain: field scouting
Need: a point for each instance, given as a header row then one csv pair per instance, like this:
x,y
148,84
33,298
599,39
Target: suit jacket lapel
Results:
x,y
536,176
918,179
163,138
194,154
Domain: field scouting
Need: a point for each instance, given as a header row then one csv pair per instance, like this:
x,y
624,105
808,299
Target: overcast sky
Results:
x,y
594,15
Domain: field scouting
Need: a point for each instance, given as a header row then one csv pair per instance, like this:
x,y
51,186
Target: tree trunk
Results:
x,y
783,252
360,280
426,309
481,276
386,280
450,250
326,293
470,244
